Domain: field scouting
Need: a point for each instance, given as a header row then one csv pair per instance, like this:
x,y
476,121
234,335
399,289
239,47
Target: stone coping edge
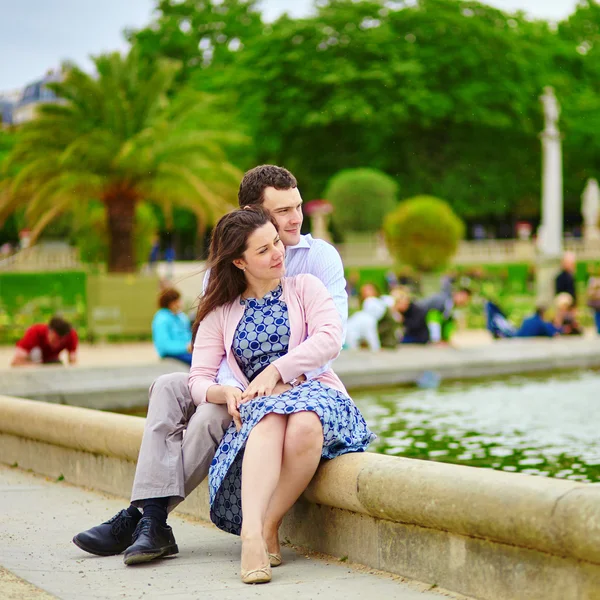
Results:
x,y
558,517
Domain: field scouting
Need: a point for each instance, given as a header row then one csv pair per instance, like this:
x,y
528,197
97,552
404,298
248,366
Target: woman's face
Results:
x,y
264,255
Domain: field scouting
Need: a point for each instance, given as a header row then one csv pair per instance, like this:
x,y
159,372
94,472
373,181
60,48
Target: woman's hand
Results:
x,y
233,397
262,385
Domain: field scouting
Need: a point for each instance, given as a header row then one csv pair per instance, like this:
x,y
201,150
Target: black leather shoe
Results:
x,y
112,537
150,540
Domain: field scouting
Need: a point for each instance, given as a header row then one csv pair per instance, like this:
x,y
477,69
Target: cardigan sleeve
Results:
x,y
324,331
209,351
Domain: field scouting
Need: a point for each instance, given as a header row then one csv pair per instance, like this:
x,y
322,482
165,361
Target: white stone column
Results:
x,y
550,234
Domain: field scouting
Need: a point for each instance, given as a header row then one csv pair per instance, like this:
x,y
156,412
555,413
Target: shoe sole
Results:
x,y
85,548
144,557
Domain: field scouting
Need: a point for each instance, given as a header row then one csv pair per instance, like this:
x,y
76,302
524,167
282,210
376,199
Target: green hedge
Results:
x,y
27,298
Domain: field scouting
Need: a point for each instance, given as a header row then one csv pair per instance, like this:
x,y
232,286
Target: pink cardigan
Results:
x,y
315,337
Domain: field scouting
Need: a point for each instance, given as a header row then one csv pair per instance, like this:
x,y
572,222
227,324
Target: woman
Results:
x,y
565,315
271,330
171,330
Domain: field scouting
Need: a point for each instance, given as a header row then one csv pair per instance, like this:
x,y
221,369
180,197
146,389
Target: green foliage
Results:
x,y
27,298
361,198
198,34
119,140
423,232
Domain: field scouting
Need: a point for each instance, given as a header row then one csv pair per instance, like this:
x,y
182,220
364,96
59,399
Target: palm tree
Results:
x,y
118,138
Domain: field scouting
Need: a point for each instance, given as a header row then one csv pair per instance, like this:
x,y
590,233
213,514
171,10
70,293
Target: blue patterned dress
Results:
x,y
263,336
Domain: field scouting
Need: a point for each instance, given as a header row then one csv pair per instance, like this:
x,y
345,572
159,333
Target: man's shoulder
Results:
x,y
320,250
38,329
34,334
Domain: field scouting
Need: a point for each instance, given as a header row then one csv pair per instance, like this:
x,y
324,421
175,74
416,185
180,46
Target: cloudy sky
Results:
x,y
36,35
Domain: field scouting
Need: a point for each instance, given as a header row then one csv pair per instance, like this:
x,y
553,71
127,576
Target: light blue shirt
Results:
x,y
171,333
322,260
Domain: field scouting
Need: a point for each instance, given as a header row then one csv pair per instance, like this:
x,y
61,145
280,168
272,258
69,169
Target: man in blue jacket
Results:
x,y
171,328
535,326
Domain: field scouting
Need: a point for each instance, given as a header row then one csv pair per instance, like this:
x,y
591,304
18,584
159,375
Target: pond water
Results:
x,y
548,426
543,426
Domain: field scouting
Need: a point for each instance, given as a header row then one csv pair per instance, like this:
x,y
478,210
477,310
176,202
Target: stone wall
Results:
x,y
483,533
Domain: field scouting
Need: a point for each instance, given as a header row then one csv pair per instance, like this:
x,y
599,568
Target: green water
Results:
x,y
541,426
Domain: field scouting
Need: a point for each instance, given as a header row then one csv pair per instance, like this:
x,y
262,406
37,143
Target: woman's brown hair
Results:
x,y
229,241
167,296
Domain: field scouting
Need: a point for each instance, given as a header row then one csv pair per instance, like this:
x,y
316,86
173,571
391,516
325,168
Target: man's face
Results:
x,y
461,298
53,338
285,206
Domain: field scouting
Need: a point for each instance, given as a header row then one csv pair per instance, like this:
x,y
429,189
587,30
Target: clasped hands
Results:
x,y
264,384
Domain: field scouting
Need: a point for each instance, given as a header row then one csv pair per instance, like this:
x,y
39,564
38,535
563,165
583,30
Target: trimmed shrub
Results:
x,y
423,232
361,199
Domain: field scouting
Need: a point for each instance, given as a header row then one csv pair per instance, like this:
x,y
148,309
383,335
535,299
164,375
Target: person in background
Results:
x,y
414,317
536,326
352,289
593,298
43,344
171,328
154,254
363,324
440,310
170,257
565,317
565,280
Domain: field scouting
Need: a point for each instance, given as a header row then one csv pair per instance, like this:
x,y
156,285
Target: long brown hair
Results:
x,y
229,241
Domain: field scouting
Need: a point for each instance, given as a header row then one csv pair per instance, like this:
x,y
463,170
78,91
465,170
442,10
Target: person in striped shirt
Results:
x,y
171,465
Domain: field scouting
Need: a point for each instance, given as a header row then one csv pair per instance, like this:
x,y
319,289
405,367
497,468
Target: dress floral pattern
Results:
x,y
262,337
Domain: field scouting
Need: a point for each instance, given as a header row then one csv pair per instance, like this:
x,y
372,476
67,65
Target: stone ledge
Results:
x,y
554,517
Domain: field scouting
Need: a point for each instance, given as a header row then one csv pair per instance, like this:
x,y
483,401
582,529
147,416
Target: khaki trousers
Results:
x,y
171,464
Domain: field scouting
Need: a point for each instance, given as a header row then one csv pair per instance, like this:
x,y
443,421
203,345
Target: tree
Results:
x,y
203,35
361,198
118,139
423,232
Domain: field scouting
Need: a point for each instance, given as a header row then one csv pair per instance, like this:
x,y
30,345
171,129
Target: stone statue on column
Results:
x,y
590,209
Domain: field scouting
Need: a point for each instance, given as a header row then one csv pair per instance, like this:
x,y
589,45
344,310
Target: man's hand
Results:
x,y
233,397
263,384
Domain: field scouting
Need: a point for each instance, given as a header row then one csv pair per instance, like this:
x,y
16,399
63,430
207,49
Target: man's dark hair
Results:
x,y
167,296
59,326
465,290
540,309
255,181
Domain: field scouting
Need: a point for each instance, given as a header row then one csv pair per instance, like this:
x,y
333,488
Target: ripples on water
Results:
x,y
541,426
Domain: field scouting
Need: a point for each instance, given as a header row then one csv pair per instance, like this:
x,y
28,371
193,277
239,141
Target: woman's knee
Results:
x,y
304,432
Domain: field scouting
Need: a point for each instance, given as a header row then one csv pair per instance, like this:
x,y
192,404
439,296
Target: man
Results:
x,y
43,344
536,326
565,280
440,310
170,465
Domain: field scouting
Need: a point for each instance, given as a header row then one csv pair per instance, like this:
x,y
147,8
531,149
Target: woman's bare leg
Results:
x,y
302,449
261,469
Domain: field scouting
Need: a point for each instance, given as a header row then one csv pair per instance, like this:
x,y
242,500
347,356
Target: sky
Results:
x,y
37,35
